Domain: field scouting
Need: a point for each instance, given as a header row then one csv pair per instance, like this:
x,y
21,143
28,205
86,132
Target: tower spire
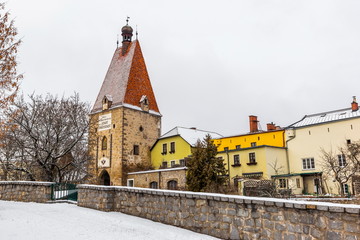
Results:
x,y
126,33
136,33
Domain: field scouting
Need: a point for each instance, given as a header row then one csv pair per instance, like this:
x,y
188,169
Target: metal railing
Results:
x,y
64,191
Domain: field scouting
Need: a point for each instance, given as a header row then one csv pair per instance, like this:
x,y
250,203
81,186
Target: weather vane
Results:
x,y
117,41
127,20
136,33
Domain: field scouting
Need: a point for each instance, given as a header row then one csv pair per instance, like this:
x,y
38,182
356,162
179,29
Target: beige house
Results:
x,y
305,140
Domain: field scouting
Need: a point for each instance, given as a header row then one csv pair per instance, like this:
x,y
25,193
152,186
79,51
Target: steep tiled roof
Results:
x,y
190,135
127,80
326,117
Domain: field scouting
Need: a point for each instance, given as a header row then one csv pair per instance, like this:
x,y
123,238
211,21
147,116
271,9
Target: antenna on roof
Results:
x,y
136,33
117,42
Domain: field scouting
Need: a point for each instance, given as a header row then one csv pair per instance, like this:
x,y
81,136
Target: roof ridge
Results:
x,y
322,113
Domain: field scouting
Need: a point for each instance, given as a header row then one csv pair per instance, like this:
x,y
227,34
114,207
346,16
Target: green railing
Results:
x,y
64,191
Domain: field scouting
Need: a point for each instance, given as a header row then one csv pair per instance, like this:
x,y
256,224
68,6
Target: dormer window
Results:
x,y
144,103
106,102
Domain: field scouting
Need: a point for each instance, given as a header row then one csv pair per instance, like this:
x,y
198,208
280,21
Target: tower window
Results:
x,y
136,150
104,143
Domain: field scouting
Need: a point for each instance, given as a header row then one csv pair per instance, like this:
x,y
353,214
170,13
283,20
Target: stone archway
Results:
x,y
105,178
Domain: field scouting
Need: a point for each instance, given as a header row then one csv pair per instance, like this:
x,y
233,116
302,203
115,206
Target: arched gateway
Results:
x,y
105,178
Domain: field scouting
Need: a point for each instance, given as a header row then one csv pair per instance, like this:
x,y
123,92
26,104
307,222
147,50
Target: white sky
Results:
x,y
211,63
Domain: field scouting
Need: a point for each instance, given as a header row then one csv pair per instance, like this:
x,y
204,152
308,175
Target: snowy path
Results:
x,y
35,221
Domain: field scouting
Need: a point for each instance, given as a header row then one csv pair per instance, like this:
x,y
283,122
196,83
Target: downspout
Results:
x,y
287,150
228,160
287,141
159,180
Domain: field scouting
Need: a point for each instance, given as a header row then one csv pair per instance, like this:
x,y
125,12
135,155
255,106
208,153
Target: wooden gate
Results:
x,y
64,191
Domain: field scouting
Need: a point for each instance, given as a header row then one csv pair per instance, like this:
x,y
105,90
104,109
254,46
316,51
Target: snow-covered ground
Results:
x,y
57,221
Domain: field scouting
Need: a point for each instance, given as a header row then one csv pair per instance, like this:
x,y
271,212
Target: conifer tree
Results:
x,y
206,172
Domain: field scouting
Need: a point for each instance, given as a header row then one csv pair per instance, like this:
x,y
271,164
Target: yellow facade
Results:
x,y
270,138
159,156
255,155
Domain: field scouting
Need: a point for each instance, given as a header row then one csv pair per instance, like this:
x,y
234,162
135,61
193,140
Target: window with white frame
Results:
x,y
182,162
345,188
308,163
164,151
252,158
172,147
342,160
282,183
237,160
130,182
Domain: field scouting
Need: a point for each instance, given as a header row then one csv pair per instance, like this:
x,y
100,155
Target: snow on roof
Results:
x,y
326,117
190,135
126,80
158,170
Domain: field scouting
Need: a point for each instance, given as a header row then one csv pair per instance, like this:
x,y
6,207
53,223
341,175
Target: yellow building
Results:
x,y
172,148
305,140
255,155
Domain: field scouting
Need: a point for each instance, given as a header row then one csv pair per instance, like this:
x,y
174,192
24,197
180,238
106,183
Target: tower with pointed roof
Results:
x,y
125,119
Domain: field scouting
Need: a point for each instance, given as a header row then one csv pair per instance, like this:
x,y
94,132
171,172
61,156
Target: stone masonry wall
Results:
x,y
129,127
229,217
24,191
161,176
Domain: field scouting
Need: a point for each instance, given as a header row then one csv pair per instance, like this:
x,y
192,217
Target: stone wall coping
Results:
x,y
159,170
287,203
32,183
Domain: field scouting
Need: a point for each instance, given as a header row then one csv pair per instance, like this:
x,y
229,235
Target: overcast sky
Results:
x,y
211,63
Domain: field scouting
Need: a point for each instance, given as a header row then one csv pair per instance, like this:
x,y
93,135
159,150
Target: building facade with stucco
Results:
x,y
309,138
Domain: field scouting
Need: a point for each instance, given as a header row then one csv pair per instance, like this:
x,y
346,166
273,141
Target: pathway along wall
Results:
x,y
229,217
25,191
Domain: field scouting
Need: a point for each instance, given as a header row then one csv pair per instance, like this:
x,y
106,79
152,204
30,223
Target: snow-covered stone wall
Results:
x,y
228,216
25,191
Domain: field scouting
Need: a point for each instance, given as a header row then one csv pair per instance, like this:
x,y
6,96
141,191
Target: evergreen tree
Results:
x,y
206,172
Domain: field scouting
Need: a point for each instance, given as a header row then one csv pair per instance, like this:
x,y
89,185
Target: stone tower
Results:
x,y
125,119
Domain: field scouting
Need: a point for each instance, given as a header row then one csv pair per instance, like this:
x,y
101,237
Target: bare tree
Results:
x,y
49,136
342,166
9,78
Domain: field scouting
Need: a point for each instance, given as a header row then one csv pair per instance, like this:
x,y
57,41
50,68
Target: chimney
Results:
x,y
253,123
271,126
354,105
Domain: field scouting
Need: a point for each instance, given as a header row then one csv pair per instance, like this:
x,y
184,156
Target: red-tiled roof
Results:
x,y
127,80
